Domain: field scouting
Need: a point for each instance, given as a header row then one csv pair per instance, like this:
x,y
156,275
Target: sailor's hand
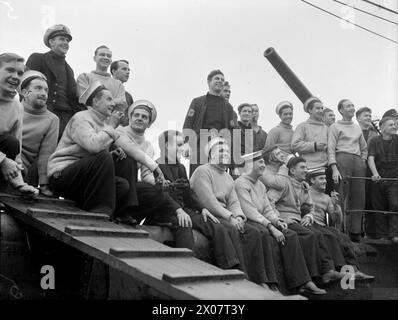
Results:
x,y
281,225
306,221
376,178
279,237
119,154
184,220
336,175
10,169
206,214
237,224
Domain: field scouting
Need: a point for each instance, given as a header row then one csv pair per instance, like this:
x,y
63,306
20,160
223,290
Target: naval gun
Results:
x,y
299,89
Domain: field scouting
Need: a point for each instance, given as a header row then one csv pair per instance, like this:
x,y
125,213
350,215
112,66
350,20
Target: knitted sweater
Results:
x,y
213,187
39,139
11,123
322,205
253,200
345,136
85,134
304,138
291,201
115,86
280,136
146,147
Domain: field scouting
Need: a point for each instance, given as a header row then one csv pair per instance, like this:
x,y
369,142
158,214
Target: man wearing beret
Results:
x,y
339,244
281,136
310,137
62,94
295,207
11,110
40,129
210,112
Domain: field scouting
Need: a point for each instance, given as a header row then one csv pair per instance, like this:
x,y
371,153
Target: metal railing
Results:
x,y
346,210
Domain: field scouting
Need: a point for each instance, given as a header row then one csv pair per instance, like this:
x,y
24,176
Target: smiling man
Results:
x,y
62,95
347,151
11,110
310,137
210,112
103,59
40,129
281,136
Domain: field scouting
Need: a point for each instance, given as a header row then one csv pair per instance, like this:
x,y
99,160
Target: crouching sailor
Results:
x,y
82,168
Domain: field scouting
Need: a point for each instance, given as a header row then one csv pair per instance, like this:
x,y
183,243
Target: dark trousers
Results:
x,y
224,252
385,198
315,251
10,146
294,265
352,165
250,251
92,183
156,207
333,243
329,180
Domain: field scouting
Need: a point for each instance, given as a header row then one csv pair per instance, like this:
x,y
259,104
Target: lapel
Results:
x,y
50,63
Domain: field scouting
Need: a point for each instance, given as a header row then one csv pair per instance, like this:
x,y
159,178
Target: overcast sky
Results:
x,y
172,45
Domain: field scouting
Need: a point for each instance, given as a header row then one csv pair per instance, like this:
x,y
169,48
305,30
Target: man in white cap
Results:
x,y
103,59
281,136
152,203
214,189
62,94
339,244
82,168
225,253
294,205
208,115
347,155
310,137
40,129
11,110
255,205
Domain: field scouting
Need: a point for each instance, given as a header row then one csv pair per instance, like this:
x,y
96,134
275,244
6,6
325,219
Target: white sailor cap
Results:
x,y
147,105
254,156
310,101
28,76
212,143
282,105
88,94
316,172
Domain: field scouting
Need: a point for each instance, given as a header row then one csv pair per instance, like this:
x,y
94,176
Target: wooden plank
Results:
x,y
83,231
145,252
39,199
66,214
221,275
148,270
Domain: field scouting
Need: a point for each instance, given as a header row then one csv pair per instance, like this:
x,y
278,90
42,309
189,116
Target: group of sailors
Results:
x,y
85,140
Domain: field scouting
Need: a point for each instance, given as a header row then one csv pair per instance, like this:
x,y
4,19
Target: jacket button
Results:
x,y
54,101
55,93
